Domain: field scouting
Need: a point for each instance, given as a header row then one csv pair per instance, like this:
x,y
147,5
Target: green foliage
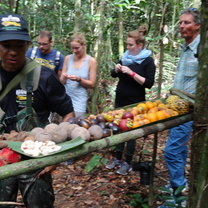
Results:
x,y
145,151
169,198
59,17
94,162
138,201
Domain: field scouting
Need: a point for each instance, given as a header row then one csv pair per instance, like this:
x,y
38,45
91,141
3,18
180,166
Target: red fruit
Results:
x,y
128,115
125,124
9,156
1,163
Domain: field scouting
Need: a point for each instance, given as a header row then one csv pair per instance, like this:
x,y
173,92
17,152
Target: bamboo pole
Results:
x,y
33,164
185,95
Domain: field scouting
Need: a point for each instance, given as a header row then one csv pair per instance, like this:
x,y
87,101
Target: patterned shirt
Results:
x,y
187,69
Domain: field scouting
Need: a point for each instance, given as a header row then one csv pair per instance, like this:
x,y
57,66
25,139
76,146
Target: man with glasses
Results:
x,y
48,95
45,55
176,149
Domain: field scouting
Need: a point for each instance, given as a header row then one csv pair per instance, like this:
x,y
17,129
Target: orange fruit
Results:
x,y
141,107
149,105
146,121
135,124
152,117
153,110
161,115
162,106
158,102
139,117
134,111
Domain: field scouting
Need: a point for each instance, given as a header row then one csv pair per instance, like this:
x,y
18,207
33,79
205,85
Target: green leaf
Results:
x,y
16,146
179,189
137,1
95,161
166,190
145,151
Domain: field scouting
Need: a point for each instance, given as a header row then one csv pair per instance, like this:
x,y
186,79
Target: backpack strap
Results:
x,y
30,65
57,58
33,52
34,77
29,70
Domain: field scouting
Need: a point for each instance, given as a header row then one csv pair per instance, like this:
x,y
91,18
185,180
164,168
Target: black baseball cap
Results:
x,y
13,27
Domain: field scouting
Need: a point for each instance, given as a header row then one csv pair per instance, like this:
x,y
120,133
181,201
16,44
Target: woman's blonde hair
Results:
x,y
79,37
139,35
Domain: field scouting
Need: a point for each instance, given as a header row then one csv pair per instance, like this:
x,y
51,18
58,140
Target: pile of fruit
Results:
x,y
95,127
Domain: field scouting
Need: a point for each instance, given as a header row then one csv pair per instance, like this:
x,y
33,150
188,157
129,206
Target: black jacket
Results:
x,y
50,96
129,91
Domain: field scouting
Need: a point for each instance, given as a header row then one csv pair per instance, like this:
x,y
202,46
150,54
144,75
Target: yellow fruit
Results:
x,y
182,106
149,105
178,104
171,99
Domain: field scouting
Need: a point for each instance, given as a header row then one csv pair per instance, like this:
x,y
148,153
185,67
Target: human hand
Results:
x,y
74,78
126,70
118,68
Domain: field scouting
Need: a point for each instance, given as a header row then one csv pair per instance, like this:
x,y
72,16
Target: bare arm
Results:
x,y
136,77
92,75
59,73
68,116
63,76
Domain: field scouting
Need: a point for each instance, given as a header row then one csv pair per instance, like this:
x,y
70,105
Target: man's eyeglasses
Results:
x,y
43,44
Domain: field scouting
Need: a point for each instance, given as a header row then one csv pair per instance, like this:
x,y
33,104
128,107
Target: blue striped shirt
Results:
x,y
187,68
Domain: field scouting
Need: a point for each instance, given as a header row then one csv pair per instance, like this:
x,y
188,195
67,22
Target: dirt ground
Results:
x,y
103,188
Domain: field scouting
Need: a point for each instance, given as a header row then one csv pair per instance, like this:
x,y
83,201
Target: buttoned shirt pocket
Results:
x,y
192,67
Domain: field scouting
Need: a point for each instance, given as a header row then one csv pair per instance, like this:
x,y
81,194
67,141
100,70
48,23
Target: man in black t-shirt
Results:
x,y
49,96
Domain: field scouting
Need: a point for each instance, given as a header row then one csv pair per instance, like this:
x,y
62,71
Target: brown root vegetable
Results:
x,y
36,130
52,127
70,127
30,137
59,136
57,132
21,136
12,136
80,132
96,132
67,127
43,136
4,136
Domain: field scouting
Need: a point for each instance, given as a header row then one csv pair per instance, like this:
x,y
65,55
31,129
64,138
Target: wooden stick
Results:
x,y
183,94
11,203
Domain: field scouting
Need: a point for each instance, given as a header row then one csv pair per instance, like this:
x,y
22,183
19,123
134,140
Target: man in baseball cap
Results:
x,y
48,95
13,27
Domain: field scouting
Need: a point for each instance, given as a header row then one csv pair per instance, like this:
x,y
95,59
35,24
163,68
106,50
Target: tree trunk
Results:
x,y
77,20
32,164
199,169
98,49
160,76
120,35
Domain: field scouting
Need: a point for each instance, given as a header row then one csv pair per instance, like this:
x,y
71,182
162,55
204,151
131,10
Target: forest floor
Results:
x,y
103,188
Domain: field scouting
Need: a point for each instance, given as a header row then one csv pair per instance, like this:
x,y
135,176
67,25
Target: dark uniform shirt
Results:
x,y
50,96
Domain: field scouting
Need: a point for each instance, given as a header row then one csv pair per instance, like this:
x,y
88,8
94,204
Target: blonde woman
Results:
x,y
79,73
